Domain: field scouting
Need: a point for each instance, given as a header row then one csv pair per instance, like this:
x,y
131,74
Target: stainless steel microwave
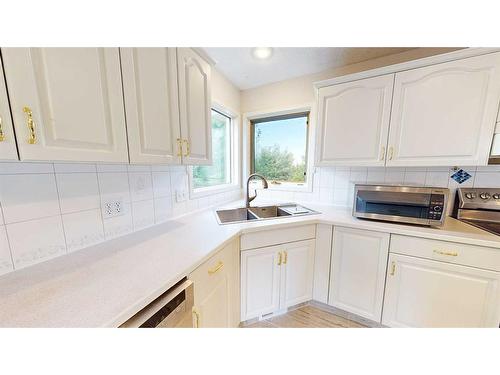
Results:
x,y
402,204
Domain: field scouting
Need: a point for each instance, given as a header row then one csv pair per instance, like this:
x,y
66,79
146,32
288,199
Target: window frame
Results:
x,y
234,159
310,146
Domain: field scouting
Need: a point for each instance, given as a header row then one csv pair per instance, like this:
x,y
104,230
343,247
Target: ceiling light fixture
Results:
x,y
262,53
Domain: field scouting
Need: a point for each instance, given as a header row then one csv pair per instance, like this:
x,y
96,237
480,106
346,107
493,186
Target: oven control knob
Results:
x,y
485,196
470,195
496,196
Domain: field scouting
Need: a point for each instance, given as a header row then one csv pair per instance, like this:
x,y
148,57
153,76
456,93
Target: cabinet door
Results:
x,y
195,105
151,104
8,150
427,293
445,114
216,290
298,259
354,122
260,282
359,262
76,103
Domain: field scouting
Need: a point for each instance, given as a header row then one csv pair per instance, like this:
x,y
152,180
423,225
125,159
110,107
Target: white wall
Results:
x,y
53,209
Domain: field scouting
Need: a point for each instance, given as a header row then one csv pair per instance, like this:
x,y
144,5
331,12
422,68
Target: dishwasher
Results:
x,y
170,310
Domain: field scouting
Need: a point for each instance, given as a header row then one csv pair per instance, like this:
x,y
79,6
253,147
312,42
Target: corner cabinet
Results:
x,y
428,293
445,114
436,114
354,122
358,267
8,149
67,103
276,277
151,104
194,77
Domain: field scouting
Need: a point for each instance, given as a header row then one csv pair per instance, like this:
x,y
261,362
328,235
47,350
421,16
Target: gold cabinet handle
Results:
x,y
393,268
179,147
382,153
2,136
196,318
280,258
31,125
391,152
188,150
448,253
216,269
285,258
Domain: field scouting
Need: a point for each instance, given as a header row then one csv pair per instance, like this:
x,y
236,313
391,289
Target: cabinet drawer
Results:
x,y
451,252
206,276
277,236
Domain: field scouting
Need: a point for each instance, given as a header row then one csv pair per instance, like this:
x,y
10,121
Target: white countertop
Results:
x,y
104,285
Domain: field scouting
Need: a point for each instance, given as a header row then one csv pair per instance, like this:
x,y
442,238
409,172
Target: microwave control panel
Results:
x,y
436,207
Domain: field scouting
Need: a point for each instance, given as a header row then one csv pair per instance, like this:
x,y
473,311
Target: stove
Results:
x,y
479,207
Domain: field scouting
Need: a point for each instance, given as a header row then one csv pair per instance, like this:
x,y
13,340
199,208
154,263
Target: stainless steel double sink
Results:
x,y
241,215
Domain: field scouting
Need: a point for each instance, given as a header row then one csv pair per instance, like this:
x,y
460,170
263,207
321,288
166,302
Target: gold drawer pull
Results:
x,y
393,268
382,153
188,150
391,152
179,147
286,257
280,258
448,253
216,269
196,318
31,125
2,136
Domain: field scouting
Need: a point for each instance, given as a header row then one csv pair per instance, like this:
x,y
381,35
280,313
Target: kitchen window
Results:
x,y
278,148
221,175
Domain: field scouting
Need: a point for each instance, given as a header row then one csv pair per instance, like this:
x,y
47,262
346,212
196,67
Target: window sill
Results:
x,y
203,192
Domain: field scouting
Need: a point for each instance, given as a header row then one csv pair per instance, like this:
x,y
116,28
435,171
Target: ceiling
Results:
x,y
245,71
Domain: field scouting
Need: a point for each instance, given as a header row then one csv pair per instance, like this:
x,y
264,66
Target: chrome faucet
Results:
x,y
248,200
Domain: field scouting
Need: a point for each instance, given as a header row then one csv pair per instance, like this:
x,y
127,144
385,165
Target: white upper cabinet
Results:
x,y
8,150
354,122
359,262
67,103
151,104
426,293
445,114
194,105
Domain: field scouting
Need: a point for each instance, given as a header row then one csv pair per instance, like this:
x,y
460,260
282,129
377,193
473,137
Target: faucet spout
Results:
x,y
265,185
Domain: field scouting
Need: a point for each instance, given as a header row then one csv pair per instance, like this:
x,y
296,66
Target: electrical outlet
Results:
x,y
112,209
181,195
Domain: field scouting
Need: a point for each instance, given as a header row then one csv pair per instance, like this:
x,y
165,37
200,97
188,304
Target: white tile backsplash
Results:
x,y
28,196
54,209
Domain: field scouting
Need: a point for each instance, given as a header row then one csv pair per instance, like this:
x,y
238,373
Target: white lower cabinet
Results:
x,y
216,292
428,293
359,262
276,277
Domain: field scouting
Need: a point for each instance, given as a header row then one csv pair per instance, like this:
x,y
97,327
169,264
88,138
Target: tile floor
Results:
x,y
306,317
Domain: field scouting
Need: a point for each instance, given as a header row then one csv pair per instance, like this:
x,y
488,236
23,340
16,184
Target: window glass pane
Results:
x,y
280,147
219,173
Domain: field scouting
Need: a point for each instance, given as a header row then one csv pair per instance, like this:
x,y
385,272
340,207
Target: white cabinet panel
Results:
x,y
359,262
427,293
322,254
8,150
299,268
354,122
76,99
151,104
216,290
195,104
445,114
260,282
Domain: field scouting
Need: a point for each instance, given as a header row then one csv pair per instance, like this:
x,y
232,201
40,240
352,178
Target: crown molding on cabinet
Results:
x,y
426,61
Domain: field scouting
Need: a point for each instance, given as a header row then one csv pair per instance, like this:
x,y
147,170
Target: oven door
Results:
x,y
399,204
